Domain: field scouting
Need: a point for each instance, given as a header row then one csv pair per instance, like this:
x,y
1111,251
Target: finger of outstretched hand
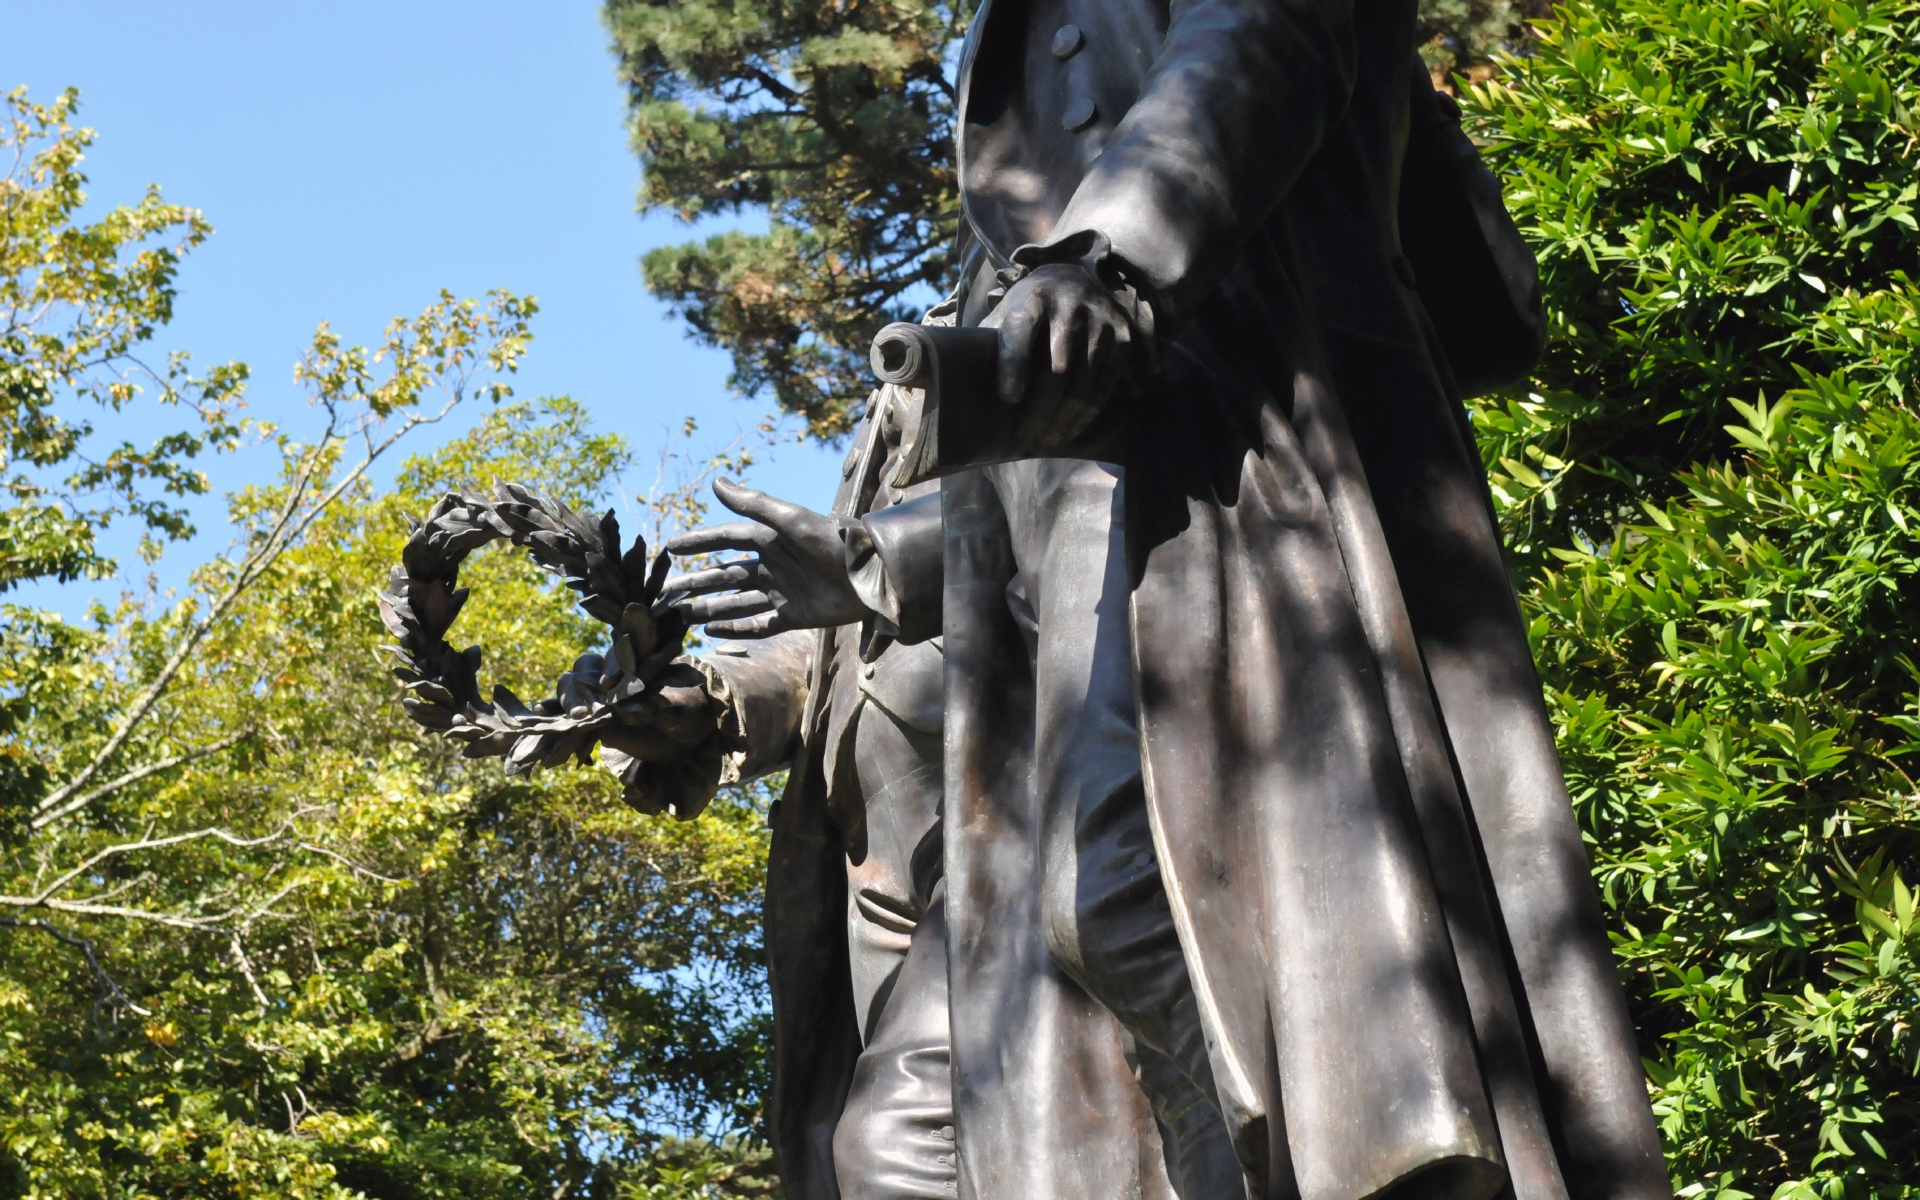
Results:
x,y
725,608
767,510
746,572
734,535
764,625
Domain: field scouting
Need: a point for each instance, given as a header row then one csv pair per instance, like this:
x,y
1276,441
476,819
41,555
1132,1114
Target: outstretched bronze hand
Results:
x,y
796,577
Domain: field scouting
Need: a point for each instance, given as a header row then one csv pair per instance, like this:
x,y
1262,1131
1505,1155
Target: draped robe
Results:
x,y
1366,841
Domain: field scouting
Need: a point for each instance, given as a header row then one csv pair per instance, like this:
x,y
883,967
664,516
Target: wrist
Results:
x,y
1092,253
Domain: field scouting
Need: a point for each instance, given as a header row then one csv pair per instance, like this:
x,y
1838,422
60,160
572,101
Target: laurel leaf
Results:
x,y
633,564
602,608
610,535
390,616
657,662
441,607
554,548
572,694
518,520
434,692
467,540
561,748
638,623
430,715
418,561
489,746
603,574
526,754
657,578
508,705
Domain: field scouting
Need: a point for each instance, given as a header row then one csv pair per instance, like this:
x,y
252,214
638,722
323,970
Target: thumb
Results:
x,y
754,505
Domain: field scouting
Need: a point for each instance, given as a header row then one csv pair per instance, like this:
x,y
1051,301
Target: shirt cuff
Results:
x,y
894,561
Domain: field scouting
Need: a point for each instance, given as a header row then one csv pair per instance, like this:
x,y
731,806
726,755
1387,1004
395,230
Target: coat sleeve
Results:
x,y
1238,101
764,684
761,688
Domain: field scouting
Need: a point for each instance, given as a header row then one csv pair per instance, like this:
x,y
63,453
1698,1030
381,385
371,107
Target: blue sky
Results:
x,y
354,158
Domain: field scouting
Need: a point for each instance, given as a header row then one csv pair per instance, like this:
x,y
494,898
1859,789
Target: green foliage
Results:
x,y
353,962
1713,491
701,1169
76,302
259,937
833,119
1721,196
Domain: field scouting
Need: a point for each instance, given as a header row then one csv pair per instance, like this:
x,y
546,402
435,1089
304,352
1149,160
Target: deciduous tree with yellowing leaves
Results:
x,y
260,937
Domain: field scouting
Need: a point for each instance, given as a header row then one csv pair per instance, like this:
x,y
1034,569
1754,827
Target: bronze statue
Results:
x,y
1255,867
1396,972
826,682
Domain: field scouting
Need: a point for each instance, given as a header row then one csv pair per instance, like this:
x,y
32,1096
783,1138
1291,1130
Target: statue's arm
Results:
x,y
764,686
755,698
1238,102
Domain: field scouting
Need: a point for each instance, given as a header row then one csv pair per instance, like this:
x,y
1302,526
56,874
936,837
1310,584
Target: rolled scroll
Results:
x,y
955,417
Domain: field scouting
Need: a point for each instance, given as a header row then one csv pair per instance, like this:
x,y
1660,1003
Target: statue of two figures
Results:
x,y
1172,809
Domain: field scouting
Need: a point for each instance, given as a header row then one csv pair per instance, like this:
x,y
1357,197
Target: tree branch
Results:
x,y
41,821
774,86
109,989
47,892
85,909
348,863
245,964
287,527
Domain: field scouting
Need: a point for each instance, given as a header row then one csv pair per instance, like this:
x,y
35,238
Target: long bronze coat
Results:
x,y
1367,844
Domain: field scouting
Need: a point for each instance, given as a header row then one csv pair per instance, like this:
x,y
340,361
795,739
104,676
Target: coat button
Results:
x,y
1067,41
1079,115
867,671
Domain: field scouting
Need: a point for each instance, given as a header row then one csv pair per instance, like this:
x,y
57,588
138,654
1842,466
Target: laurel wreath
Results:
x,y
601,692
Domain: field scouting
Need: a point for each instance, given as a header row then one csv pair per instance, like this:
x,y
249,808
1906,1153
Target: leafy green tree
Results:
x,y
1720,200
342,959
259,937
76,303
1712,490
835,121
